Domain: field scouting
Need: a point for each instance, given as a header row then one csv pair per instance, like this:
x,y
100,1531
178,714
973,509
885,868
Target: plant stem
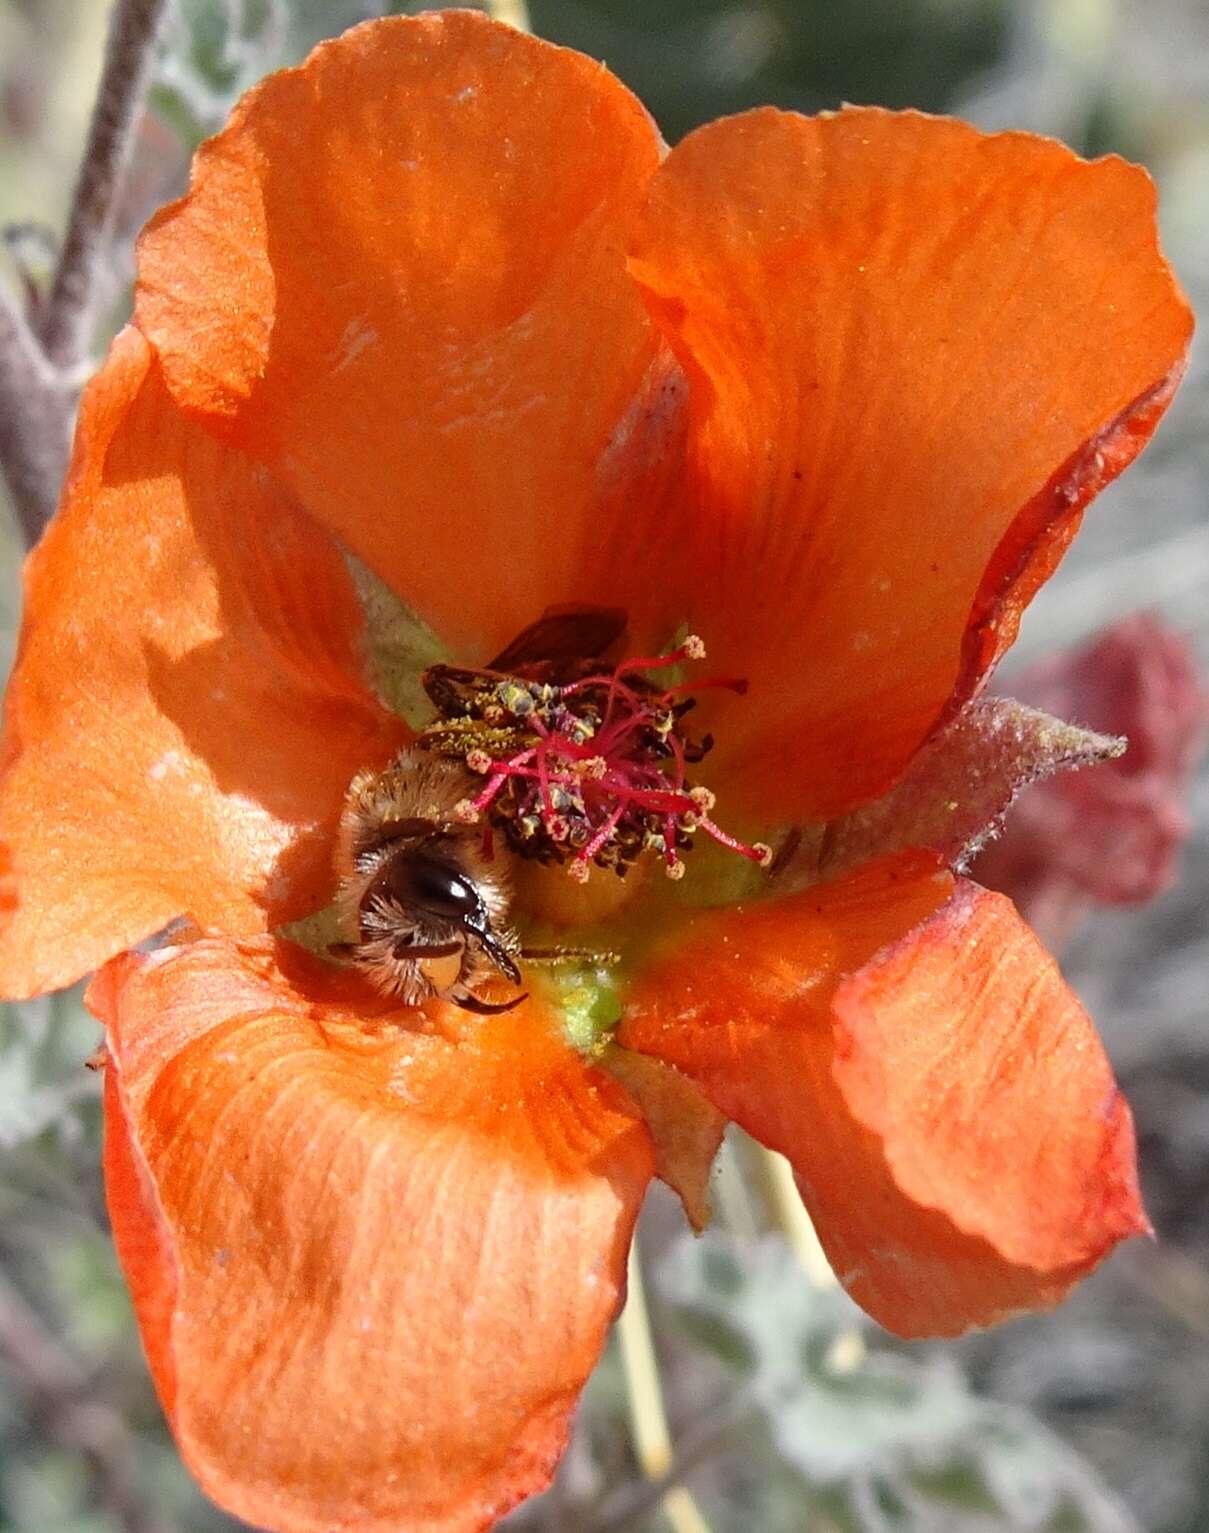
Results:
x,y
848,1350
57,1390
1173,1279
648,1419
514,12
732,1194
68,320
35,423
628,1508
793,1220
41,365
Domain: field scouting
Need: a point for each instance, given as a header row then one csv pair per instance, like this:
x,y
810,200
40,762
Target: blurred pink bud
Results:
x,y
1112,833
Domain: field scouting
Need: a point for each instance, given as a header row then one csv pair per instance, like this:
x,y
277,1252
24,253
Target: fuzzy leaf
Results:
x,y
43,1044
899,1438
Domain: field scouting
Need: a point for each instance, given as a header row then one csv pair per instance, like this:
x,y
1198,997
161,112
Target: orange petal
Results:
x,y
373,1266
915,352
943,1098
183,717
399,280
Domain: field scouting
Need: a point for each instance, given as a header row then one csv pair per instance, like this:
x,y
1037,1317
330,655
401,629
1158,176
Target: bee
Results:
x,y
426,893
429,908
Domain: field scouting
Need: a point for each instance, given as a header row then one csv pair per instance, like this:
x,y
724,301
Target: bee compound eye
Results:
x,y
429,884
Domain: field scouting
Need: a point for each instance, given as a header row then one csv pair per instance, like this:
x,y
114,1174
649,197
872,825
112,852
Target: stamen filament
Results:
x,y
757,852
693,648
602,835
500,771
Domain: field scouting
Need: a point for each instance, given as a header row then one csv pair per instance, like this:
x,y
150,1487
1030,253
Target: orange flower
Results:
x,y
831,393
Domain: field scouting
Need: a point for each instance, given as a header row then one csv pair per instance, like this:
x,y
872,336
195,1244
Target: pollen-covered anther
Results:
x,y
586,767
465,813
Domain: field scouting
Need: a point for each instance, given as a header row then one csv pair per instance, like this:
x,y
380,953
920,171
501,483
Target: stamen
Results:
x,y
602,835
757,852
600,769
693,648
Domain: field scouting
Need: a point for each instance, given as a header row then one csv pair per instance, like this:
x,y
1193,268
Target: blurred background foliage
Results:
x,y
791,1413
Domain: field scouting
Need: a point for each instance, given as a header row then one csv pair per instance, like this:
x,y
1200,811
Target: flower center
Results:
x,y
581,766
545,763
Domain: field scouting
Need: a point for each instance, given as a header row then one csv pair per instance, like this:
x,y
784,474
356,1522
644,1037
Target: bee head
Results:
x,y
422,881
429,885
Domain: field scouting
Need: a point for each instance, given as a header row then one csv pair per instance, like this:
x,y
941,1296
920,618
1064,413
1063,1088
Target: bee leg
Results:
x,y
469,1002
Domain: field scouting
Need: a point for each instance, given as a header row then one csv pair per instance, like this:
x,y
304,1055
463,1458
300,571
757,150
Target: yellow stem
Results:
x,y
848,1350
514,12
732,1192
793,1219
648,1419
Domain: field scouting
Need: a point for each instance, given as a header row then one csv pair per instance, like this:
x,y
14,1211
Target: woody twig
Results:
x,y
41,362
55,1387
34,421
